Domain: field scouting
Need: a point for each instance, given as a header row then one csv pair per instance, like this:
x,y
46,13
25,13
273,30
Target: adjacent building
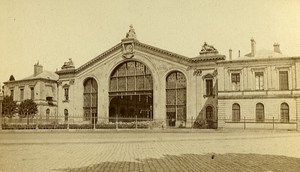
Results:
x,y
261,88
40,87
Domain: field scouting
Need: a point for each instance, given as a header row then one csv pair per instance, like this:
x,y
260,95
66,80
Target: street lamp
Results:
x,y
1,99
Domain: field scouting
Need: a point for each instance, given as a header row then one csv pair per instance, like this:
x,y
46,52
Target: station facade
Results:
x,y
135,80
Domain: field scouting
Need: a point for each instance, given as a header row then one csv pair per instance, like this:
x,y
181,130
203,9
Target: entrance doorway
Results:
x,y
127,108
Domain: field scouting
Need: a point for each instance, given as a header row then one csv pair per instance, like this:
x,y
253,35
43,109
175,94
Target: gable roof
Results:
x,y
151,50
45,75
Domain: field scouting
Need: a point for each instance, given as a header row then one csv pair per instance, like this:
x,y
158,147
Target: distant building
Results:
x,y
41,87
259,88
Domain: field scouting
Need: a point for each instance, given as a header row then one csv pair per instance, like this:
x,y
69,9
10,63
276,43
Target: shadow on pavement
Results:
x,y
196,162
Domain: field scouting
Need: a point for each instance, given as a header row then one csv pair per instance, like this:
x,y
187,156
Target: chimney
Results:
x,y
38,69
276,48
230,54
253,47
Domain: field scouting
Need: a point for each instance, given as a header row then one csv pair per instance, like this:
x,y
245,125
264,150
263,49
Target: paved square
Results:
x,y
150,151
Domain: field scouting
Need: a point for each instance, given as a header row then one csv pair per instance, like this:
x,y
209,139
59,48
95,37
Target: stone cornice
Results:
x,y
151,50
29,80
259,59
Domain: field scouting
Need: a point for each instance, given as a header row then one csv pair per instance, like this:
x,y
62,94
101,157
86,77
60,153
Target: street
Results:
x,y
150,151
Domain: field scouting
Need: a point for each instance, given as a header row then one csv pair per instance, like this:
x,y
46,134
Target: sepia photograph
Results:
x,y
149,86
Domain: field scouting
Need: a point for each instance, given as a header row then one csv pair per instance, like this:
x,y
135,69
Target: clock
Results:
x,y
129,48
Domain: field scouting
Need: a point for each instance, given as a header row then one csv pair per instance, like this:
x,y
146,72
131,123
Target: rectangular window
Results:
x,y
283,80
21,94
66,94
32,93
12,93
259,80
235,80
209,87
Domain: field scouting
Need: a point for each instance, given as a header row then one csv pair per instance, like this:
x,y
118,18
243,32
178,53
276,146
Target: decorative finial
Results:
x,y
131,33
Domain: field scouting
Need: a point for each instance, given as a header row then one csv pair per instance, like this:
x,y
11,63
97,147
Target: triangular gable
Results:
x,y
147,49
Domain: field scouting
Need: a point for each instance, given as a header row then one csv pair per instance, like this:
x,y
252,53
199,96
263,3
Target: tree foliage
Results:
x,y
27,108
9,106
11,78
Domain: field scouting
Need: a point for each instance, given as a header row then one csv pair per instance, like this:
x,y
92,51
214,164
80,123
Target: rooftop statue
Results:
x,y
208,49
68,65
131,33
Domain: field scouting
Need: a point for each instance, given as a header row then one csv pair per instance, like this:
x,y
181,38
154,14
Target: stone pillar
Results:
x,y
221,114
298,113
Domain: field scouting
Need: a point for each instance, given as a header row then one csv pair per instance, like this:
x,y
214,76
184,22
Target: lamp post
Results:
x,y
1,99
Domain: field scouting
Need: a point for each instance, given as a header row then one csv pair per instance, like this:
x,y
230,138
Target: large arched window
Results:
x,y
236,112
90,98
130,76
131,92
260,112
176,97
284,112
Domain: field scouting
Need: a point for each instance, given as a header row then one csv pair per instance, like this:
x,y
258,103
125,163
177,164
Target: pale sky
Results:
x,y
51,31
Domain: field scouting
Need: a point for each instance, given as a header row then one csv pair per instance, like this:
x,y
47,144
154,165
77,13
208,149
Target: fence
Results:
x,y
95,123
78,122
271,123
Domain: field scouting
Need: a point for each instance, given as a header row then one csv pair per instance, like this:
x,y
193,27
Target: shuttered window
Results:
x,y
235,81
236,116
283,80
21,94
260,114
209,87
284,112
259,80
32,93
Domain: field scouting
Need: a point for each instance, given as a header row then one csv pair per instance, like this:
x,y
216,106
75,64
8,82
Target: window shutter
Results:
x,y
283,80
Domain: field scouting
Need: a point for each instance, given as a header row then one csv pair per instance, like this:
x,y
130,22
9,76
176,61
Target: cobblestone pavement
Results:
x,y
96,151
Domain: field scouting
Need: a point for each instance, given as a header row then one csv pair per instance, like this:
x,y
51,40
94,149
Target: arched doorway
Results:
x,y
90,100
131,92
209,114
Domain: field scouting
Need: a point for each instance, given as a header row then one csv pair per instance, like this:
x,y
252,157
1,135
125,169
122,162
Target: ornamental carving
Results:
x,y
197,72
215,73
208,49
131,33
72,81
128,50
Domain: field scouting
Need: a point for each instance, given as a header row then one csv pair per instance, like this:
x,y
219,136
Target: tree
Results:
x,y
11,78
9,106
27,108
